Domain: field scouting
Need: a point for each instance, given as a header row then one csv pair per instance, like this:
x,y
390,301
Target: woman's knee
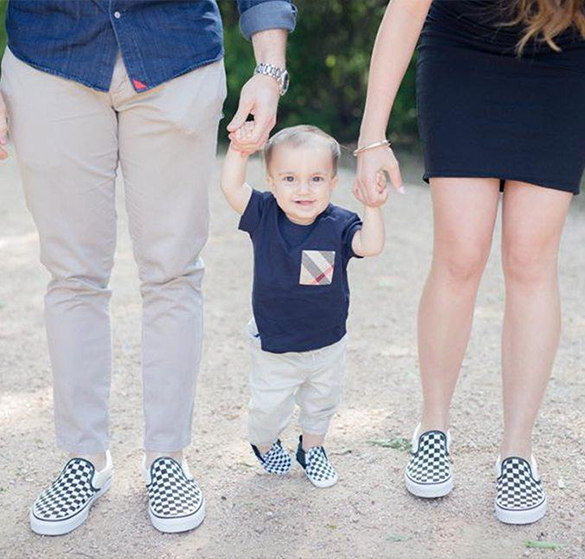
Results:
x,y
462,263
528,261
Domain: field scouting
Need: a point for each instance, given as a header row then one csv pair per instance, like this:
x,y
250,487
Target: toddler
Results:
x,y
302,246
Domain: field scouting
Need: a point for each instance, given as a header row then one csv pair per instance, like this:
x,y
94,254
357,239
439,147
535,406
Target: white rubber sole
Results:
x,y
428,490
61,527
323,484
521,517
183,524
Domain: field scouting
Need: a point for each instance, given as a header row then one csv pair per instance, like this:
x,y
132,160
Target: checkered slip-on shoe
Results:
x,y
520,498
316,465
276,460
65,505
428,473
175,502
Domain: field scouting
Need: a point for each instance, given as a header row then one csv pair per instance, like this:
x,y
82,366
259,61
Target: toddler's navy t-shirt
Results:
x,y
300,296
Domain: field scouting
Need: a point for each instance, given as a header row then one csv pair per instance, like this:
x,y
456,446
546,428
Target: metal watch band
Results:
x,y
279,74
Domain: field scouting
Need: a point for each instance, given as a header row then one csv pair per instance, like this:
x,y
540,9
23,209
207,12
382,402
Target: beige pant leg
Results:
x,y
65,136
319,396
274,379
168,139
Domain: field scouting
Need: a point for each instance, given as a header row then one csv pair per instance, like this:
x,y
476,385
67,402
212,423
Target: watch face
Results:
x,y
285,82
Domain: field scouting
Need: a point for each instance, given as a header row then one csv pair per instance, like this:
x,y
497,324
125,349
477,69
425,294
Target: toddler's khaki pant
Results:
x,y
311,378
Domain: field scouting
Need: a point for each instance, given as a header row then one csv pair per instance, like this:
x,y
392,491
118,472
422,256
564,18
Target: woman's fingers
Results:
x,y
393,170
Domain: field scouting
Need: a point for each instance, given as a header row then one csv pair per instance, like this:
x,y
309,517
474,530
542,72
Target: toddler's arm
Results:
x,y
233,179
369,240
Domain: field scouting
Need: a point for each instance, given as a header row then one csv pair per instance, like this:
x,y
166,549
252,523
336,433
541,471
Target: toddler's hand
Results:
x,y
381,188
239,136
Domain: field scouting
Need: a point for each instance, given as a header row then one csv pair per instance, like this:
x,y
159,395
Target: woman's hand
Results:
x,y
374,165
3,129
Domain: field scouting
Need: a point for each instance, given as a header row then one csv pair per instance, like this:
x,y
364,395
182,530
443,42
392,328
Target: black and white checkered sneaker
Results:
x,y
274,461
428,473
316,465
65,505
520,498
175,502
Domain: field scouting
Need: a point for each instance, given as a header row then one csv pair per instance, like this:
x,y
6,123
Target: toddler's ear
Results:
x,y
334,181
270,182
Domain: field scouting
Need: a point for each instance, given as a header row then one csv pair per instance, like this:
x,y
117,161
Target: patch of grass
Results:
x,y
542,545
399,443
397,538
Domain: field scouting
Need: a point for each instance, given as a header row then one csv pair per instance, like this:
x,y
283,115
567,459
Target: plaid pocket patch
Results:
x,y
317,267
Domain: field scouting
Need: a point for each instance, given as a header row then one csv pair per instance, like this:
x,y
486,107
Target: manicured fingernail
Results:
x,y
402,190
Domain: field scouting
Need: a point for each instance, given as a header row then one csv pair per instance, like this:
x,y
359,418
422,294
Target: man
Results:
x,y
88,84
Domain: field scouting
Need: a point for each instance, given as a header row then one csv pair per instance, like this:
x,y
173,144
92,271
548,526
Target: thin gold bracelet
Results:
x,y
371,146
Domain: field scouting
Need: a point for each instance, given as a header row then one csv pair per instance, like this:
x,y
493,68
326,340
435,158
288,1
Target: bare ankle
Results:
x,y
434,423
310,440
98,460
152,455
522,449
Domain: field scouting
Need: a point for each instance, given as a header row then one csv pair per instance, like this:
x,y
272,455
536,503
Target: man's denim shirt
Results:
x,y
158,39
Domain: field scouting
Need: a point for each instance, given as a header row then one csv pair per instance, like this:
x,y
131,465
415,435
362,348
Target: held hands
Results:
x,y
242,136
3,129
374,166
259,97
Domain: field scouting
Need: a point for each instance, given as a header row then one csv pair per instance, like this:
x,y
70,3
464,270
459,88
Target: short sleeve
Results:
x,y
252,215
351,227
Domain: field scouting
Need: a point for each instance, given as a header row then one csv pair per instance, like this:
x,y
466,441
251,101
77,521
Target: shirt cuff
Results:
x,y
274,14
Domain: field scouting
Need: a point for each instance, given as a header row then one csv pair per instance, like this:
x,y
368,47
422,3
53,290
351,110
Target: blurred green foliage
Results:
x,y
328,59
3,4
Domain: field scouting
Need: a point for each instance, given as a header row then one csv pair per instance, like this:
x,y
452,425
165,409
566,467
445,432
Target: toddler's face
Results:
x,y
302,180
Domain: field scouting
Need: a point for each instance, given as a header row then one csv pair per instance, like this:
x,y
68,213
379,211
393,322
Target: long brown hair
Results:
x,y
543,20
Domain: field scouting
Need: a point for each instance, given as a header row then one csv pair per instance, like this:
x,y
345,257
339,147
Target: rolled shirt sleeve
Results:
x,y
260,15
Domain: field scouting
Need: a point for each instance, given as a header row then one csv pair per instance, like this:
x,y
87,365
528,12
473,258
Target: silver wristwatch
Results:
x,y
279,74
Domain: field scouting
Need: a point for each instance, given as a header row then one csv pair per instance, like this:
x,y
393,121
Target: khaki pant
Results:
x,y
313,379
69,140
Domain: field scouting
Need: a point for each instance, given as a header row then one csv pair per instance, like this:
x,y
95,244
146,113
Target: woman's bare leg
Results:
x,y
465,211
533,219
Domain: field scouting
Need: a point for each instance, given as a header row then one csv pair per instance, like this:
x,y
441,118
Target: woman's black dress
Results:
x,y
485,112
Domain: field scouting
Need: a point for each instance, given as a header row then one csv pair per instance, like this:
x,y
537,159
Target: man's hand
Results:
x,y
259,98
3,129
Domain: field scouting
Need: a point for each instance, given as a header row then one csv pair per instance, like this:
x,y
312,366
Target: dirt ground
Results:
x,y
369,513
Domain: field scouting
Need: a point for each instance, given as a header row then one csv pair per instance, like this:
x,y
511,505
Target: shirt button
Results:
x,y
117,15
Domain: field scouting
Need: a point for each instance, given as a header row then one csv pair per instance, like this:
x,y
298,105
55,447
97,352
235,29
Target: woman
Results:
x,y
501,99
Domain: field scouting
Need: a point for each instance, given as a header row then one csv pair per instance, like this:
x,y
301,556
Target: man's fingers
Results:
x,y
3,128
263,124
241,115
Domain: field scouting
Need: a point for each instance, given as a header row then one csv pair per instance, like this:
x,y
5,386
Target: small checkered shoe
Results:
x,y
175,502
274,461
428,473
520,498
65,505
316,465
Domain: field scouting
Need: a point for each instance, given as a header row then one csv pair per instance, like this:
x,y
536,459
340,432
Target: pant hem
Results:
x,y
79,449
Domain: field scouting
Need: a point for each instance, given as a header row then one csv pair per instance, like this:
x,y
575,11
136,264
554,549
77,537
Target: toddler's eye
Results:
x,y
289,178
318,179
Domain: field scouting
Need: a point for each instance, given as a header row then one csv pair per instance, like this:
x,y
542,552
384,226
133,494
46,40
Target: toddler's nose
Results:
x,y
303,187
